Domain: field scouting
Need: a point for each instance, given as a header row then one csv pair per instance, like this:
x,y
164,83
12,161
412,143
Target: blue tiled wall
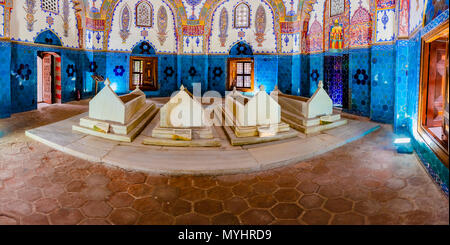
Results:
x,y
382,84
305,78
359,78
288,75
266,72
217,73
5,84
315,71
401,85
23,78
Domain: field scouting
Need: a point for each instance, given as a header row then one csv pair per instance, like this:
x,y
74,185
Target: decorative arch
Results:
x,y
207,17
113,7
144,47
241,48
48,37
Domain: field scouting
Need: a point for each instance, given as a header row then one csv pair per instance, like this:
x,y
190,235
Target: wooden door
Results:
x,y
47,79
436,84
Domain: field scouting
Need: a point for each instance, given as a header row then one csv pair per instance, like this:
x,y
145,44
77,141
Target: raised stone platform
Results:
x,y
226,159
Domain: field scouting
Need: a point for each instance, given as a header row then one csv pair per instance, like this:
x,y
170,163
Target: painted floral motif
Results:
x,y
223,26
119,71
144,14
125,23
384,20
260,25
360,27
382,4
65,17
29,9
403,18
193,4
361,77
315,42
162,25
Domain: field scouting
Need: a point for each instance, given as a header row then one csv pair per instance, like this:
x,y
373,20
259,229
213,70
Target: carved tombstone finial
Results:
x,y
262,88
107,82
276,88
234,90
320,85
182,87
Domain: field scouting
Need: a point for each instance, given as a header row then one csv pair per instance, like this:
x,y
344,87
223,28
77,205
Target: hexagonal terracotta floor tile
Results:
x,y
208,207
123,216
256,217
94,222
330,191
29,194
6,220
395,184
383,194
348,219
165,193
135,177
96,180
76,186
225,219
96,209
308,187
46,205
118,185
65,216
35,219
72,200
146,204
156,218
338,205
316,217
192,219
98,193
311,201
367,207
192,194
262,201
219,193
383,219
288,181
286,195
264,187
178,207
286,211
18,207
140,190
235,205
121,199
242,189
204,182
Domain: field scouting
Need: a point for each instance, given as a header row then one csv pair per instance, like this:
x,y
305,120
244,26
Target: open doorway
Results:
x,y
48,78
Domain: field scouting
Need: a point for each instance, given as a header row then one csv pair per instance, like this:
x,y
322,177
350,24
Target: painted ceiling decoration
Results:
x,y
187,25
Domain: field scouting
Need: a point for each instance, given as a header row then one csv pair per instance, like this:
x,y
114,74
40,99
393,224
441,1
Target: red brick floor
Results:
x,y
364,182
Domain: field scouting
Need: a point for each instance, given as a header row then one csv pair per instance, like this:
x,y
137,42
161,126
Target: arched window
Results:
x,y
144,14
242,16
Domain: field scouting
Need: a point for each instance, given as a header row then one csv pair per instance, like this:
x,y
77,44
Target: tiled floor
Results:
x,y
364,182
